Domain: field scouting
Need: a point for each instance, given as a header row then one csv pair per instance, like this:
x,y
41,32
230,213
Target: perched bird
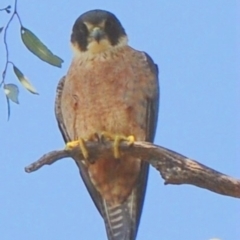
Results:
x,y
110,90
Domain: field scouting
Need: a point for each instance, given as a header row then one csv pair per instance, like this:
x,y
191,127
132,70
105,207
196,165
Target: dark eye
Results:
x,y
82,28
113,30
80,35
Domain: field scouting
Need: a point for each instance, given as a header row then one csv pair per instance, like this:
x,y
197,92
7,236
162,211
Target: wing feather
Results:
x,y
97,199
151,124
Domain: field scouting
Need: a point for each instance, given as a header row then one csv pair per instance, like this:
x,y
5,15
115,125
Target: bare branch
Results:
x,y
6,9
173,167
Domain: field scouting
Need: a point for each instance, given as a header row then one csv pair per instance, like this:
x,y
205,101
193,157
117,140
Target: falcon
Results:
x,y
110,91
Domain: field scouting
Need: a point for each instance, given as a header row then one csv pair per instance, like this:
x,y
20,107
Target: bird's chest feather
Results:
x,y
107,94
104,95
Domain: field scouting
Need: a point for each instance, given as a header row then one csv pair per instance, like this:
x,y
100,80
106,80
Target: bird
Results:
x,y
110,91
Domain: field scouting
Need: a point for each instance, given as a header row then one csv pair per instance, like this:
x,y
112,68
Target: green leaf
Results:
x,y
11,91
34,45
1,28
24,80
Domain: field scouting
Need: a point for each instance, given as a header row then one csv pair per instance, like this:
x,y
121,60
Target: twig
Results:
x,y
6,9
5,40
15,13
173,167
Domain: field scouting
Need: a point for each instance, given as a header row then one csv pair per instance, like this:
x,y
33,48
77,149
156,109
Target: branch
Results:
x,y
5,38
6,9
7,61
173,167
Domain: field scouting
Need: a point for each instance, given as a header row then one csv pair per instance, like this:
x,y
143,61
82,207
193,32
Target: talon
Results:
x,y
83,148
100,137
116,151
71,145
81,144
107,136
131,140
97,136
117,139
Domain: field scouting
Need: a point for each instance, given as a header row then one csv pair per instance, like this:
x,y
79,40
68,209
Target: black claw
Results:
x,y
91,161
101,138
98,137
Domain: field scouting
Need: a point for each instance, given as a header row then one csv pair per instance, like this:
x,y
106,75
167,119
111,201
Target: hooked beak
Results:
x,y
97,33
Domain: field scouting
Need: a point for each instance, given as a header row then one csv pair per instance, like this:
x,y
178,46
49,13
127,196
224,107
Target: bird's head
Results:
x,y
97,31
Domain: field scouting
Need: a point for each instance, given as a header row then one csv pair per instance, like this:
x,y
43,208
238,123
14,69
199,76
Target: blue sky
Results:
x,y
196,46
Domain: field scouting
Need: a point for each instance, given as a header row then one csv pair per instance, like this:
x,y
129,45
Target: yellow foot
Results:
x,y
117,140
81,144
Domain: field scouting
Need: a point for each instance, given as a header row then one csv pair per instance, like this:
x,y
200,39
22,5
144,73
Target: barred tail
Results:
x,y
121,221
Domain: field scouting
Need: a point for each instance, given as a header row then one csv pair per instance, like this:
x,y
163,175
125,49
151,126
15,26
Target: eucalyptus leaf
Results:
x,y
12,92
24,81
34,45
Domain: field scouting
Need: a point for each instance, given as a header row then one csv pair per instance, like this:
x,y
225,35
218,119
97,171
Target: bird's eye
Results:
x,y
80,35
113,30
83,29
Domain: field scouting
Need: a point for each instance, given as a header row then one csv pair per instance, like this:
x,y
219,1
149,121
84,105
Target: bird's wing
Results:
x,y
151,123
97,199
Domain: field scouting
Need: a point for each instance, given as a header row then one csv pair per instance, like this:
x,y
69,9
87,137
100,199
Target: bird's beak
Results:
x,y
97,34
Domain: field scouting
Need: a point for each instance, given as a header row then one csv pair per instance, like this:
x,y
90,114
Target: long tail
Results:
x,y
121,221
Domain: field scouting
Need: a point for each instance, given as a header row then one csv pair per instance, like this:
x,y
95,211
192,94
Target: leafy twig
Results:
x,y
5,40
34,45
15,13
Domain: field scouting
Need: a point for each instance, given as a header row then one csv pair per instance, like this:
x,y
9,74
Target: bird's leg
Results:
x,y
81,143
117,140
101,137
